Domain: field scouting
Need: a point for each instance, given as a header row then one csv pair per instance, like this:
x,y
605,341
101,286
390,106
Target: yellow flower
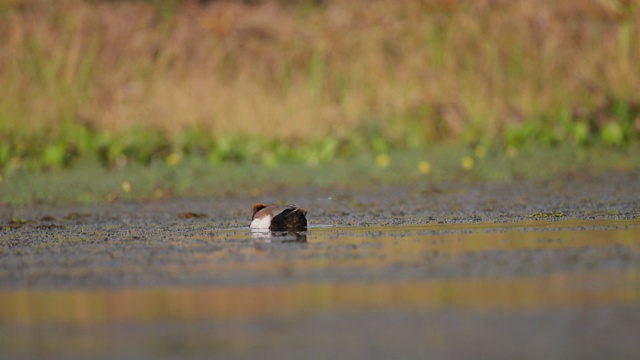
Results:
x,y
126,186
383,160
467,163
158,193
480,151
424,167
173,159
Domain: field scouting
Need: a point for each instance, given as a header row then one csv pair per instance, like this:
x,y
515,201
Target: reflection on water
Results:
x,y
281,236
376,254
434,291
233,303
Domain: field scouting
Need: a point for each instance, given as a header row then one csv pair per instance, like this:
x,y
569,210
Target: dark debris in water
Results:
x,y
191,215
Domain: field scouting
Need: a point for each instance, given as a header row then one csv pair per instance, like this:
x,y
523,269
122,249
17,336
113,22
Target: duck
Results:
x,y
288,218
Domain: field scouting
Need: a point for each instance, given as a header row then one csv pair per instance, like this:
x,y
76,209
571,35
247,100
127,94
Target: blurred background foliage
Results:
x,y
155,81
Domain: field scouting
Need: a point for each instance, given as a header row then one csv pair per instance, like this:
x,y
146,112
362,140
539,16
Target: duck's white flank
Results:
x,y
263,223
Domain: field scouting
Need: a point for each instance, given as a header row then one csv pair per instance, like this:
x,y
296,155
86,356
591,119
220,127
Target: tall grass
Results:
x,y
76,76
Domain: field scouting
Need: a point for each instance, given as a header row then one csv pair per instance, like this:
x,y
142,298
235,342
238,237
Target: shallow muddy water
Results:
x,y
483,271
406,290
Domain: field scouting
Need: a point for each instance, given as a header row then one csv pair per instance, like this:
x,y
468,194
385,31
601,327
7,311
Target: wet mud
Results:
x,y
525,269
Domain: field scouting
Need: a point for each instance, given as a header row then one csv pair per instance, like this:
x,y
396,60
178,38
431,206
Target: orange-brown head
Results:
x,y
257,207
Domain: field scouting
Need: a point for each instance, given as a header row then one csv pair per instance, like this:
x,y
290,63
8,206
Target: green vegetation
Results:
x,y
142,83
89,182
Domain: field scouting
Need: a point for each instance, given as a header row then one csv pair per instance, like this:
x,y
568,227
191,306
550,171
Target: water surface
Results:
x,y
564,289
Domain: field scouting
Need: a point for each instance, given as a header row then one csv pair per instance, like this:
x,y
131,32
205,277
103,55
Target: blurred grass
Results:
x,y
148,82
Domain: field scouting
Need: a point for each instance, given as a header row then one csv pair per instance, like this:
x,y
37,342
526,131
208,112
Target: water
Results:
x,y
536,289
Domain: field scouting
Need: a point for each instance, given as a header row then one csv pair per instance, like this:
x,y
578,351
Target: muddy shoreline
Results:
x,y
104,245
